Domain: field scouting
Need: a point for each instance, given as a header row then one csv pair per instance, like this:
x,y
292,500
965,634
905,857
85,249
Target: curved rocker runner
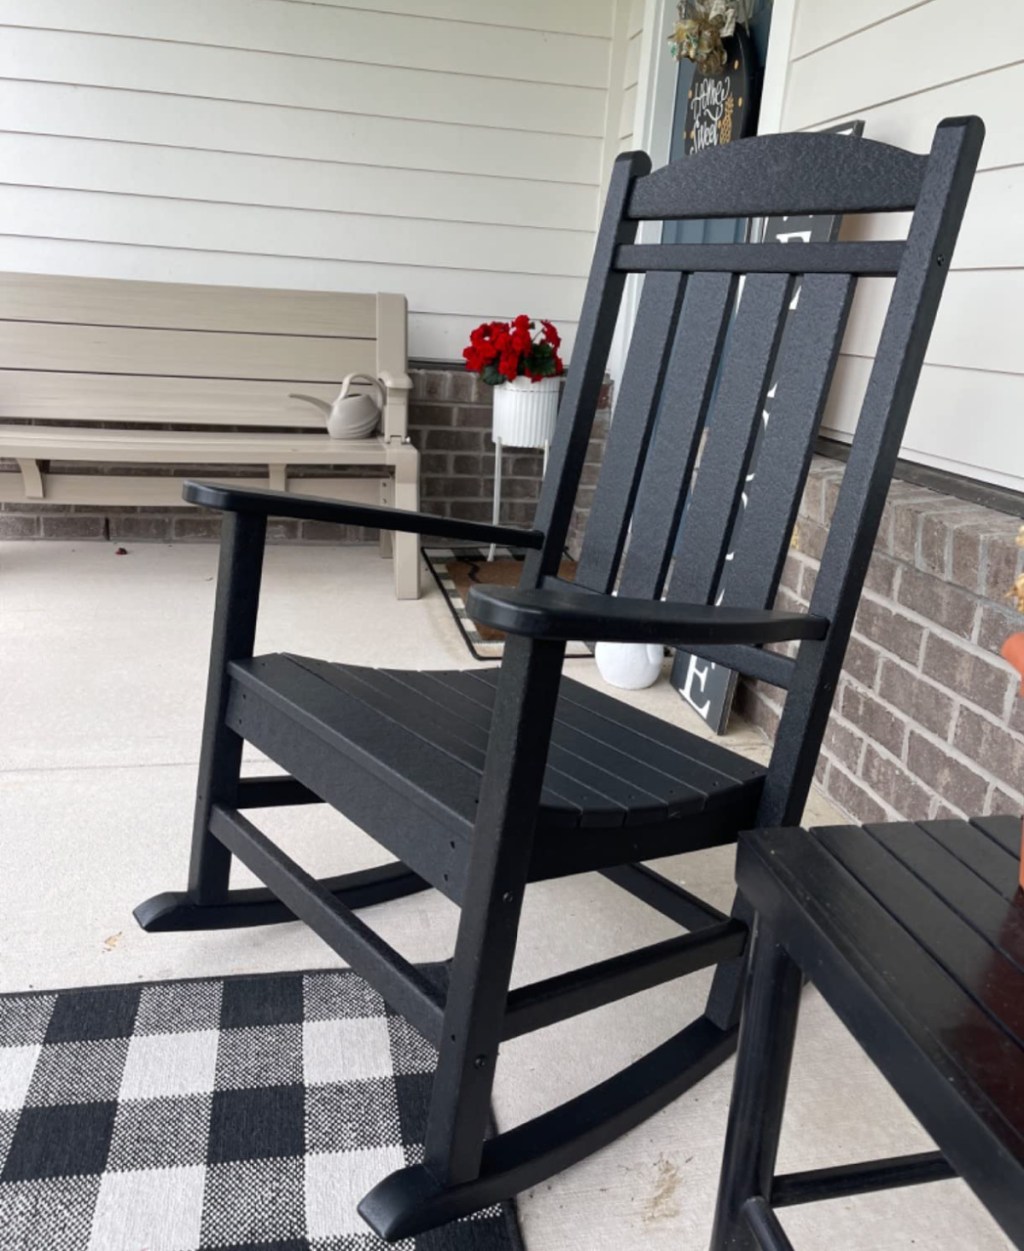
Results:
x,y
481,782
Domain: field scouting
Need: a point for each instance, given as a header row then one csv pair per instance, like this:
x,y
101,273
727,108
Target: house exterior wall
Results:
x,y
447,149
926,720
894,64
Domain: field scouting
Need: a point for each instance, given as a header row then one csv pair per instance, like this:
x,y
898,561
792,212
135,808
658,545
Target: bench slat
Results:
x,y
49,396
181,353
187,447
186,306
119,490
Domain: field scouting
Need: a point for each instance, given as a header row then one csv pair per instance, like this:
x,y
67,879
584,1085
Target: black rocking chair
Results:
x,y
481,782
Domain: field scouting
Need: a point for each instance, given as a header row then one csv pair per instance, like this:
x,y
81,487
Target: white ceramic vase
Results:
x,y
631,666
525,412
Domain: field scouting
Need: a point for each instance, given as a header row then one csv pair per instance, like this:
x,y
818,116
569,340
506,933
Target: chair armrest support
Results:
x,y
612,619
253,500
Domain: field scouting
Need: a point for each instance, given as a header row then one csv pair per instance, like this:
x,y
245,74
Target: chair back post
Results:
x,y
580,397
883,417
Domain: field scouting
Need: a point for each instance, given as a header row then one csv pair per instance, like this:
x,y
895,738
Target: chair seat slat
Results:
x,y
691,749
566,787
445,787
644,790
603,732
415,709
570,754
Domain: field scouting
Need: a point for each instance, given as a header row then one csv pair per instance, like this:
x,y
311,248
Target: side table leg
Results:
x,y
770,1007
496,510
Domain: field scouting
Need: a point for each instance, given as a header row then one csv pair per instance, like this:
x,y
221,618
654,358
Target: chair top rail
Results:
x,y
782,174
867,260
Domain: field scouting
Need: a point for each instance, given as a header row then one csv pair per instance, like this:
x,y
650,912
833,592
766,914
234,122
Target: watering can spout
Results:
x,y
324,407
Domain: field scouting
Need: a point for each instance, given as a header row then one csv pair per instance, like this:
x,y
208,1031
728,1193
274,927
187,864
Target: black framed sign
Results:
x,y
723,107
708,687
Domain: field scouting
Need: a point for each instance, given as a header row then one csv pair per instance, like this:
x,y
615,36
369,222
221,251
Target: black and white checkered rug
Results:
x,y
250,1113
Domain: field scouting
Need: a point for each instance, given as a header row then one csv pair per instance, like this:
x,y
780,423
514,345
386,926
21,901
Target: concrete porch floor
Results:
x,y
102,670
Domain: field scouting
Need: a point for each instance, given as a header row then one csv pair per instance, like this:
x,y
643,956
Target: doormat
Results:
x,y
243,1113
457,569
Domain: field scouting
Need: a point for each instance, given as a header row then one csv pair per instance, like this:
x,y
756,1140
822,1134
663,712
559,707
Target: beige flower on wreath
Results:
x,y
699,32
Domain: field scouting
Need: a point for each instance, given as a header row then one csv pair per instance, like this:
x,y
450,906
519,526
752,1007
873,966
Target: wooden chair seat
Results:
x,y
614,771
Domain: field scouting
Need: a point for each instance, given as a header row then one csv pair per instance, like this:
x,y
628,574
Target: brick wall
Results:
x,y
926,722
449,421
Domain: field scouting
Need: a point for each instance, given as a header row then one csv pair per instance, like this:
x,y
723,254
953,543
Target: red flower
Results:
x,y
507,350
550,334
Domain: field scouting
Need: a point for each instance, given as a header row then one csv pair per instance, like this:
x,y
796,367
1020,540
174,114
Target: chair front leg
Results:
x,y
234,631
771,1005
510,794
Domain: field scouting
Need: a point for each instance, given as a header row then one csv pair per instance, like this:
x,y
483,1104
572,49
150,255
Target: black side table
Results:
x,y
914,935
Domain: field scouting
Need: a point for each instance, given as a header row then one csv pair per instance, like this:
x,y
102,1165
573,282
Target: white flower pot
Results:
x,y
525,412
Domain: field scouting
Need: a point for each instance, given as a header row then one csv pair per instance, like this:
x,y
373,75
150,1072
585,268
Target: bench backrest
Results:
x,y
110,350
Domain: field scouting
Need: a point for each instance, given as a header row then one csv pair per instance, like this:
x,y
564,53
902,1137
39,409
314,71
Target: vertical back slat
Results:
x,y
805,365
630,431
883,418
735,419
583,386
685,398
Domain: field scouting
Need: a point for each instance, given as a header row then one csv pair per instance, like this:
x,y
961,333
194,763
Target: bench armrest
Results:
x,y
612,619
395,382
229,499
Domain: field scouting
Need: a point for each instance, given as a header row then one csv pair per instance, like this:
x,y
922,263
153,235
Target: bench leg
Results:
x,y
385,545
770,1008
407,546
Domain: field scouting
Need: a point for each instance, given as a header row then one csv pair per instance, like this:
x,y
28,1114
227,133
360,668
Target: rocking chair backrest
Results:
x,y
698,373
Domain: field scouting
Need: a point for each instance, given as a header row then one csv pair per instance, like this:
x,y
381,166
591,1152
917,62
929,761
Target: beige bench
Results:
x,y
95,371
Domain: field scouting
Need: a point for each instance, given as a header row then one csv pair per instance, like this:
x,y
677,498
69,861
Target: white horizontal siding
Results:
x,y
821,22
974,413
899,66
909,53
363,36
271,130
154,222
976,327
317,83
227,178
451,154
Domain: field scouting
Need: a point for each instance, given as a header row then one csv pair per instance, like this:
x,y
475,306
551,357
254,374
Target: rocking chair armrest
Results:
x,y
612,619
229,499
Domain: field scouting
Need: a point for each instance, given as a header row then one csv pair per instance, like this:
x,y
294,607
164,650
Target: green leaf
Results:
x,y
491,375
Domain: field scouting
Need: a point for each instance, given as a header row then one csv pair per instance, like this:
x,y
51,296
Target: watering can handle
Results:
x,y
376,383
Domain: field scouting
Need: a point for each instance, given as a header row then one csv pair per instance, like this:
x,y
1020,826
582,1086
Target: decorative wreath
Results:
x,y
701,29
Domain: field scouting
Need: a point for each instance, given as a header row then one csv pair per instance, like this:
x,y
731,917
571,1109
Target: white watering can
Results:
x,y
350,416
